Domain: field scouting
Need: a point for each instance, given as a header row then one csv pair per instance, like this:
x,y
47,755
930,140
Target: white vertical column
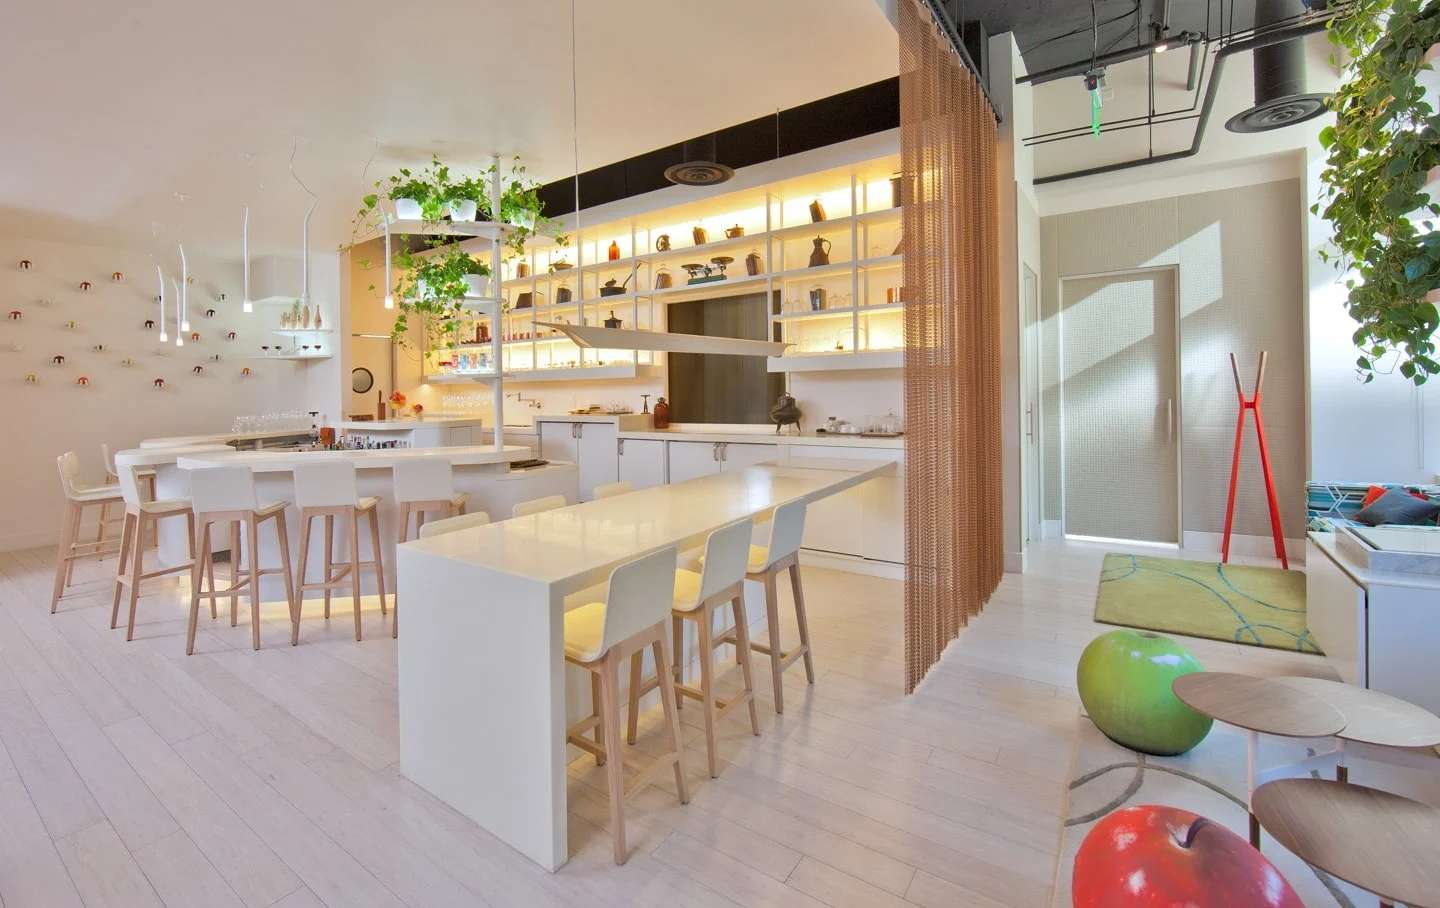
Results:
x,y
497,353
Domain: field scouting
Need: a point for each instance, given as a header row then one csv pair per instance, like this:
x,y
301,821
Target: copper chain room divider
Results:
x,y
953,541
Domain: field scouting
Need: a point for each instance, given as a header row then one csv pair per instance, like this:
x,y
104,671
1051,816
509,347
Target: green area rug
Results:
x,y
1258,606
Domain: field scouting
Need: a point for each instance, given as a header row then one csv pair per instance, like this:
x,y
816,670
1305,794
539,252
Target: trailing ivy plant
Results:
x,y
1381,150
433,288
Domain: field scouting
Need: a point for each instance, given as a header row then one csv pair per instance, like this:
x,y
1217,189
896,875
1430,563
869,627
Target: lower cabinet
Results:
x,y
867,521
737,455
588,445
693,459
642,461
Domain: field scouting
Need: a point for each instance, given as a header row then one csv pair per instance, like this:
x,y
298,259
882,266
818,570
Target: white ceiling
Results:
x,y
140,123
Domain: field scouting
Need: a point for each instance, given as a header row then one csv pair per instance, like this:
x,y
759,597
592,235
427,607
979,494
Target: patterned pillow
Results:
x,y
1399,507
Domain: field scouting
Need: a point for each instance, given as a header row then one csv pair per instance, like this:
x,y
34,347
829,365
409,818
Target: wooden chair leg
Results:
x,y
742,655
283,534
677,638
203,547
195,567
128,542
68,534
305,522
772,622
137,567
672,715
379,561
615,770
705,623
100,530
598,708
234,572
637,659
329,565
355,569
801,622
252,537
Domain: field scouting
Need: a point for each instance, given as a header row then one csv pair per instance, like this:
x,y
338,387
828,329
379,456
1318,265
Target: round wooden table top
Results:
x,y
1258,704
1379,841
1372,717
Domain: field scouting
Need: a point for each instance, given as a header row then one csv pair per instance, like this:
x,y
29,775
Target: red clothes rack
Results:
x,y
1252,403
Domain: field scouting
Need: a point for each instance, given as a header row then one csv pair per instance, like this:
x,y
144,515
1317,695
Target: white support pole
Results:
x,y
497,387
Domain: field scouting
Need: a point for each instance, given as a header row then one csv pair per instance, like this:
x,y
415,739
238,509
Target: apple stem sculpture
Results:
x,y
1252,403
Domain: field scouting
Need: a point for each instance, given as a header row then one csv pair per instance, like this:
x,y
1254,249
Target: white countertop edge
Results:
x,y
405,424
1327,544
285,461
762,438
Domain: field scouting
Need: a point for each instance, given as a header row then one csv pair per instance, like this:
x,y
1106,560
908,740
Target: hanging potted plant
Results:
x,y
521,208
435,288
468,198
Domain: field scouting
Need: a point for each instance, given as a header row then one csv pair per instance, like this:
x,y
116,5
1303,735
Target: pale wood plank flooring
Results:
x,y
133,775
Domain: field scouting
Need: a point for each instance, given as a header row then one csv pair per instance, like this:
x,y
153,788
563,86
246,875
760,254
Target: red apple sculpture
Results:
x,y
1164,856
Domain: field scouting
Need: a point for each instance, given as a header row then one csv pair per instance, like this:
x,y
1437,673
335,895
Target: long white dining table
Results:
x,y
481,658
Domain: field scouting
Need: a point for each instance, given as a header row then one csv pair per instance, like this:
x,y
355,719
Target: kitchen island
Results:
x,y
483,701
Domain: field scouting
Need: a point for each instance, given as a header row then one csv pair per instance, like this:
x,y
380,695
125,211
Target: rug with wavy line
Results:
x,y
1259,606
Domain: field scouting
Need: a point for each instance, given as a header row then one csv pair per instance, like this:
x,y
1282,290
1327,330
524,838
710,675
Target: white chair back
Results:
x,y
786,528
325,484
129,487
536,505
217,489
726,553
107,457
611,489
451,524
426,479
69,464
641,593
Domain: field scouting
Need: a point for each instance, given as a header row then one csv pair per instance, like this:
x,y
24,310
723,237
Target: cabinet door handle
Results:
x,y
619,446
715,451
1030,422
575,429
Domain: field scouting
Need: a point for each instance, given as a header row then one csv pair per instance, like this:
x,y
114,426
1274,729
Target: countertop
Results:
x,y
383,459
784,438
153,457
406,423
219,438
1328,544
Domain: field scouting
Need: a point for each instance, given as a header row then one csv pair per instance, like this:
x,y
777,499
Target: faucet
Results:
x,y
528,401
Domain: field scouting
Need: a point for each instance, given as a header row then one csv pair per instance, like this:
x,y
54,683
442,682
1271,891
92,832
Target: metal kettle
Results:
x,y
820,255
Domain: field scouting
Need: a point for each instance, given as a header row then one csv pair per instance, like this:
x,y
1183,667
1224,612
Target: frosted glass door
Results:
x,y
1120,436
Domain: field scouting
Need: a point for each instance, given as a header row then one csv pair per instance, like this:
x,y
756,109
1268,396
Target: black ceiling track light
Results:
x,y
700,167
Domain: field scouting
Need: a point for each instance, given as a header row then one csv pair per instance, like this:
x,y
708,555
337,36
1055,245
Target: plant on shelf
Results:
x,y
1384,144
434,288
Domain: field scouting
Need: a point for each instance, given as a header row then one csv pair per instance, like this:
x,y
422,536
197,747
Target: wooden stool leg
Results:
x,y
672,716
379,562
234,571
772,622
305,521
137,567
615,769
800,620
203,548
128,542
252,538
195,568
329,566
742,655
705,624
355,569
677,646
283,534
598,708
68,533
637,660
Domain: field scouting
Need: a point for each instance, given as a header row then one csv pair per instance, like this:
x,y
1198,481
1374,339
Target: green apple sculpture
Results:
x,y
1124,678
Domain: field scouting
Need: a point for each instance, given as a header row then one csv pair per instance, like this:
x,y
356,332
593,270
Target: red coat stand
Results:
x,y
1252,403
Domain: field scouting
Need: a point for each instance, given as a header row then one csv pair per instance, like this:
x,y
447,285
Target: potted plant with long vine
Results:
x,y
433,289
1380,152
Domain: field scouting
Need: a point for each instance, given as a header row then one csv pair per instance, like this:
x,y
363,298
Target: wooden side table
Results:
x,y
1372,718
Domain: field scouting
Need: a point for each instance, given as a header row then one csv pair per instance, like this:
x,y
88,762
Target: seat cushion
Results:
x,y
759,559
584,632
165,506
366,503
687,590
96,493
272,508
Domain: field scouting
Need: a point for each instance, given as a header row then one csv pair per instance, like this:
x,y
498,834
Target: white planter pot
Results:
x,y
524,219
420,290
462,209
407,209
477,284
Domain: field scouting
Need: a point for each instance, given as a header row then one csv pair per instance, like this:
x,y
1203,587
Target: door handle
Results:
x,y
1169,420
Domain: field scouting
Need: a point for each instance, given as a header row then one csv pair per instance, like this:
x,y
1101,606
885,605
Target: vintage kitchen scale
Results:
x,y
708,274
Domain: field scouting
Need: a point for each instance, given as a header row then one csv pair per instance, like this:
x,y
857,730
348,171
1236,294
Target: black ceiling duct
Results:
x,y
1280,96
700,167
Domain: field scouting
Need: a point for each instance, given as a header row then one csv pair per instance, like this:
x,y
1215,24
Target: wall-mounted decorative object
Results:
x,y
214,357
158,384
127,362
32,378
231,335
16,315
209,313
117,276
245,372
149,324
44,302
83,381
198,370
99,348
220,297
72,324
26,264
84,285
57,360
190,280
195,336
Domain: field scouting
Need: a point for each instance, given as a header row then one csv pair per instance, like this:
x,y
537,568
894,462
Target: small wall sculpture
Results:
x,y
127,362
230,335
117,276
198,370
158,384
209,313
99,348
84,285
16,315
44,302
245,372
195,336
26,264
149,324
83,381
72,324
32,378
57,360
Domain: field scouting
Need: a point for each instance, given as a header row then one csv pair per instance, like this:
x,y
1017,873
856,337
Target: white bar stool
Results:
x,y
326,488
453,524
536,505
599,637
141,517
227,495
145,478
77,498
765,564
421,486
697,597
611,489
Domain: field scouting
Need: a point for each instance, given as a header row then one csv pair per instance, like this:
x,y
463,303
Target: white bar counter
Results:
x,y
419,432
481,660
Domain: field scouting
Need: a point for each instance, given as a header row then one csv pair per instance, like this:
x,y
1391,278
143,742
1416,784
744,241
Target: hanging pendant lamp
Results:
x,y
164,338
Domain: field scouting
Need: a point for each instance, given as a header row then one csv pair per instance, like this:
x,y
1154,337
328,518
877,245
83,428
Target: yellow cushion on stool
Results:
x,y
687,590
584,632
759,558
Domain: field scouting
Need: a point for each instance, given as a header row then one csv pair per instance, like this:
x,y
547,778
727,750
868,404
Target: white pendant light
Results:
x,y
184,291
164,338
180,327
247,305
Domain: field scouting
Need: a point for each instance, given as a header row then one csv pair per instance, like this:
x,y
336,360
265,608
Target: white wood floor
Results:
x,y
133,775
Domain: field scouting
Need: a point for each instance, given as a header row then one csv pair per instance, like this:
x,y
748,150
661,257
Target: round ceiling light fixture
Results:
x,y
699,166
1277,113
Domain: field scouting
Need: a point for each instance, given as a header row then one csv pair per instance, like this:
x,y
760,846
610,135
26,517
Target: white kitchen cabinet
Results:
x,y
642,461
739,455
588,445
461,436
867,521
693,459
558,441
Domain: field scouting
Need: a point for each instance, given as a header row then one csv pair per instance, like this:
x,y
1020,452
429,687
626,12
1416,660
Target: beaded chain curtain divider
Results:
x,y
953,528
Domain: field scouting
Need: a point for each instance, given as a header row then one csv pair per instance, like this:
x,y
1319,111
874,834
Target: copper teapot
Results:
x,y
820,255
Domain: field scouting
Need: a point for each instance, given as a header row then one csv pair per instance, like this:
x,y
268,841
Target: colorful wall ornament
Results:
x,y
117,276
84,285
57,360
245,372
158,384
16,315
32,378
26,264
83,381
198,370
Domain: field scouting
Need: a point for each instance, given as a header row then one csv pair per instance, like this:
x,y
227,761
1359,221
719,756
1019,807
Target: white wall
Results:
x,y
120,406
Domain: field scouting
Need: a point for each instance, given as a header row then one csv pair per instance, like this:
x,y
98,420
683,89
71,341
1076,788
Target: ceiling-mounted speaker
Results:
x,y
699,167
1280,96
